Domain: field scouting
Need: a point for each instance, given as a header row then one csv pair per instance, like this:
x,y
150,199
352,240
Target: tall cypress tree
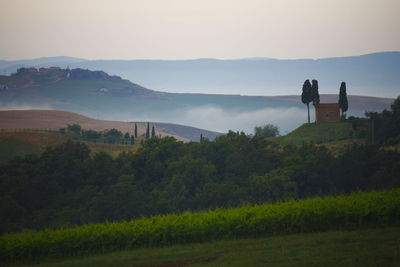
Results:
x,y
148,130
343,103
315,93
306,96
153,132
135,129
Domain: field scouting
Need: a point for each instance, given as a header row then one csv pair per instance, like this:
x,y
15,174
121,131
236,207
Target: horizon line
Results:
x,y
254,58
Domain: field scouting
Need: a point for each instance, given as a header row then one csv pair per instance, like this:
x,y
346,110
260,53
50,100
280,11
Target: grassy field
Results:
x,y
361,247
318,134
310,215
21,142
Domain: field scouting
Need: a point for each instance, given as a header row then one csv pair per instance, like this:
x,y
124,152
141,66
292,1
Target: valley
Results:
x,y
104,97
199,133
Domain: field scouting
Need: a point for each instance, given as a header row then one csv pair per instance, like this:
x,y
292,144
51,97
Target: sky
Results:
x,y
186,29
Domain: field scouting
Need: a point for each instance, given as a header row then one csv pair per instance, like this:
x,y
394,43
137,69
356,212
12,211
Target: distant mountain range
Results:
x,y
108,97
375,74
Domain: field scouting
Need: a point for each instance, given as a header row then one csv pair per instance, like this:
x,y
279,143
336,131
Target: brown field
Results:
x,y
20,142
56,119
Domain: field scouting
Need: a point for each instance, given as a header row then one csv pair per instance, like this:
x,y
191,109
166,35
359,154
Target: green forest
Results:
x,y
66,186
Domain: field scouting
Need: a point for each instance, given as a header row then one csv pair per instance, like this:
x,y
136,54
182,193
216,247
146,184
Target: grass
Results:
x,y
361,247
317,133
310,215
21,142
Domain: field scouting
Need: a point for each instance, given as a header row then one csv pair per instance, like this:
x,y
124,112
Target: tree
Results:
x,y
315,93
135,130
148,131
91,135
75,129
273,186
343,104
112,136
132,139
385,126
306,96
153,131
126,137
268,130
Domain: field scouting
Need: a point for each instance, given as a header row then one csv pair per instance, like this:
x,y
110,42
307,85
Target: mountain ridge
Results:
x,y
72,59
365,74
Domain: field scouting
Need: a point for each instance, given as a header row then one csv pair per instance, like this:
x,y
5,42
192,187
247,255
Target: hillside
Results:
x,y
343,212
55,119
365,247
98,95
317,133
68,203
15,143
371,74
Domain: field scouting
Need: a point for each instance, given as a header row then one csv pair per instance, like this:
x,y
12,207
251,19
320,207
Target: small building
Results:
x,y
327,112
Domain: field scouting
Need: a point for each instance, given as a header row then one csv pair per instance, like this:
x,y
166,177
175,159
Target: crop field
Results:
x,y
311,215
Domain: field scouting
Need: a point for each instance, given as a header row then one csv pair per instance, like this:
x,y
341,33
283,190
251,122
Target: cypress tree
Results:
x,y
135,130
148,130
315,93
153,132
306,96
343,104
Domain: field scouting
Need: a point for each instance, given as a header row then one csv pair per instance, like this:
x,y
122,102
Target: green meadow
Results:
x,y
361,247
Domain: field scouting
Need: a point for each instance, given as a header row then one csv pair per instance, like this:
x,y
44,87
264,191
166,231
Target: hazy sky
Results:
x,y
182,29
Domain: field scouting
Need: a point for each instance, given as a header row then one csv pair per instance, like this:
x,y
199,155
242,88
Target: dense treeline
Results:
x,y
112,136
65,185
379,127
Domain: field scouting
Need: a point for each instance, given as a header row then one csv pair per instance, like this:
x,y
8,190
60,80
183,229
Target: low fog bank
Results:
x,y
214,118
220,120
208,117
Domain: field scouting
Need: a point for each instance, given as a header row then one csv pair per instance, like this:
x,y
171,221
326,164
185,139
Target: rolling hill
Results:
x,y
99,95
31,131
54,120
374,74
